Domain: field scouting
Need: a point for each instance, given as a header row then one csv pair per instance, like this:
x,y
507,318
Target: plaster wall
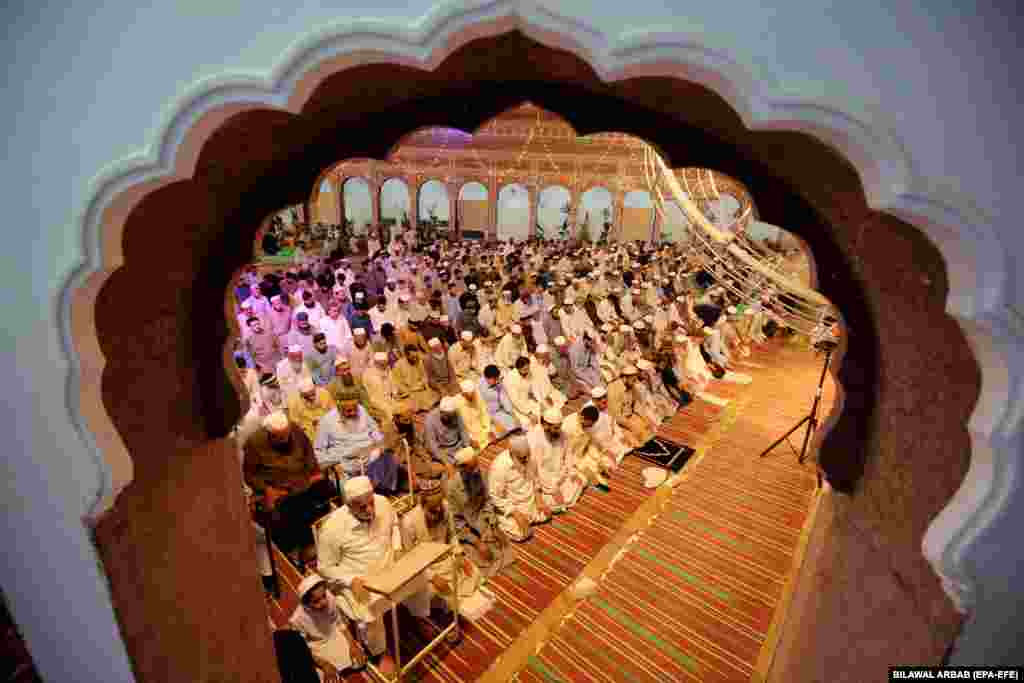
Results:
x,y
80,99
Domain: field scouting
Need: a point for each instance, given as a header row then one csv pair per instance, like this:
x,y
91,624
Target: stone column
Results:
x,y
340,189
615,233
531,197
492,209
656,228
454,227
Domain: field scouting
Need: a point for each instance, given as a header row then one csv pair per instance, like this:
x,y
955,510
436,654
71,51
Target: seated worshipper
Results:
x,y
462,356
280,467
346,385
308,405
475,416
440,376
606,312
321,360
262,345
431,522
413,449
585,359
445,433
279,318
410,334
631,350
510,348
325,628
474,515
564,378
560,483
486,349
272,397
487,317
626,305
313,310
359,352
292,370
445,330
593,457
335,327
622,407
381,313
668,373
349,437
410,382
607,431
520,393
514,485
358,541
651,401
541,373
734,342
575,321
495,396
302,333
295,660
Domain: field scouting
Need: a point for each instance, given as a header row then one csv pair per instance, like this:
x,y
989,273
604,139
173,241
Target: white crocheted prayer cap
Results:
x,y
357,486
307,584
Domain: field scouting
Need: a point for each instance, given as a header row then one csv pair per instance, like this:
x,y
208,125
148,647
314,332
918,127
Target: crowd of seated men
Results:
x,y
370,379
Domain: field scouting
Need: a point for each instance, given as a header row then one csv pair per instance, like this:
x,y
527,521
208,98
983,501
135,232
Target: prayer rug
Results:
x,y
664,453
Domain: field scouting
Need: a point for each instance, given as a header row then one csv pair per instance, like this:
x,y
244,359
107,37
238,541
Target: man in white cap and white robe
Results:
x,y
575,321
593,458
462,356
292,370
356,542
607,435
541,371
511,347
475,416
380,387
359,352
514,486
561,484
622,407
325,628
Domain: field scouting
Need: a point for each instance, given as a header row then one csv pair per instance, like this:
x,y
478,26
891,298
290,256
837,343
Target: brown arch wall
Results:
x,y
176,545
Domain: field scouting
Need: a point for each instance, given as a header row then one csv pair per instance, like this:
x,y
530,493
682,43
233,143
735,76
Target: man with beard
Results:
x,y
410,382
321,360
347,387
272,397
445,432
585,360
382,313
560,483
594,460
314,311
511,347
607,437
262,345
462,357
335,327
359,352
381,389
476,520
513,483
307,406
279,318
302,333
410,334
292,370
564,379
356,542
622,407
348,437
440,376
541,371
520,392
279,466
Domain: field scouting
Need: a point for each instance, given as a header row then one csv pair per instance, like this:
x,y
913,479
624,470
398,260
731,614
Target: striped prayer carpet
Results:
x,y
693,598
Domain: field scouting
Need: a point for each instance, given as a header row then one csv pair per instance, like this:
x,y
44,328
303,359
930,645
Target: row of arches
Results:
x,y
520,212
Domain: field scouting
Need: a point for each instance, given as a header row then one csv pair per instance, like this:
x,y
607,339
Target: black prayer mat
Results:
x,y
664,453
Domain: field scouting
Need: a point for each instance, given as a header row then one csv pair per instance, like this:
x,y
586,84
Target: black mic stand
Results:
x,y
811,418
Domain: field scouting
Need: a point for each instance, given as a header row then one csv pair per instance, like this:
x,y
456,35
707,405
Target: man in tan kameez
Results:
x,y
410,382
380,387
637,429
462,357
475,416
308,405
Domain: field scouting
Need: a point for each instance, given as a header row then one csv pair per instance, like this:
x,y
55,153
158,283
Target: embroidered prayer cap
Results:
x,y
357,486
598,392
681,299
629,370
472,288
635,291
380,357
277,421
553,416
681,339
309,583
465,455
246,305
306,385
360,295
434,341
625,328
517,329
560,341
467,386
294,348
449,404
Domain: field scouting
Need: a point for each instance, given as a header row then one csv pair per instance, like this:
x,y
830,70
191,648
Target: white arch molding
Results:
x,y
975,258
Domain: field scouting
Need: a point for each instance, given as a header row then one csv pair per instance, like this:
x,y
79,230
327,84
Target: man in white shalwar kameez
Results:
x,y
356,542
520,392
606,431
541,371
510,348
463,358
593,460
561,484
292,370
513,485
575,321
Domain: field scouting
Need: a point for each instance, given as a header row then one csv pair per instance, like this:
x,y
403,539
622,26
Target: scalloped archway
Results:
x,y
175,337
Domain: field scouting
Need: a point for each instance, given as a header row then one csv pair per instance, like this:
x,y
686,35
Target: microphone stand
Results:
x,y
811,419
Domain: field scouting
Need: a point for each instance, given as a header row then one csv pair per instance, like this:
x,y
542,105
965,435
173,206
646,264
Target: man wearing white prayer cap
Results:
x,y
560,483
575,321
325,628
510,348
445,432
514,488
463,357
292,370
637,430
356,542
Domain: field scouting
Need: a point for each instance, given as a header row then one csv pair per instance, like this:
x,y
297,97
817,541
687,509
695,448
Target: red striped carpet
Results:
x,y
694,597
